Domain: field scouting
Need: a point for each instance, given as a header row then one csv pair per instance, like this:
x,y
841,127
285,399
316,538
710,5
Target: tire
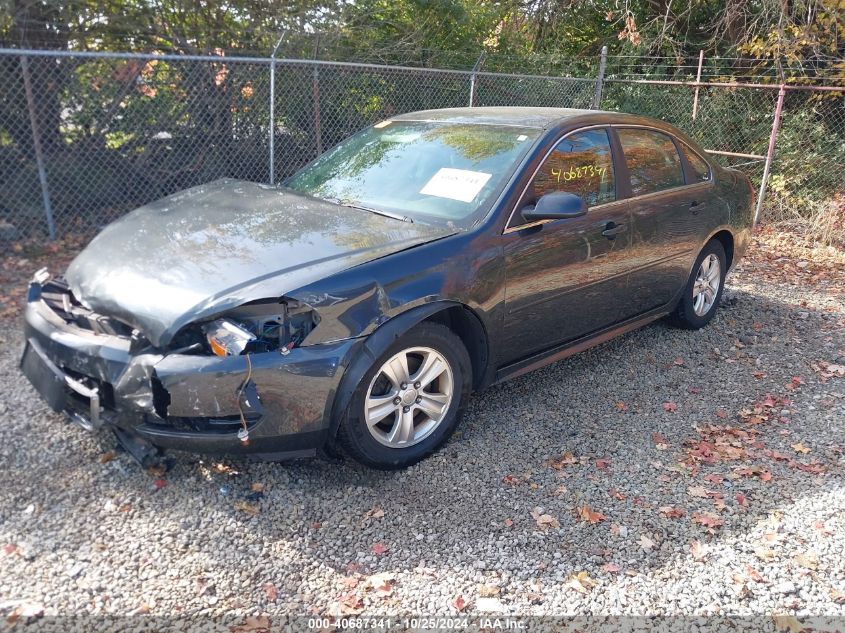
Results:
x,y
430,412
696,309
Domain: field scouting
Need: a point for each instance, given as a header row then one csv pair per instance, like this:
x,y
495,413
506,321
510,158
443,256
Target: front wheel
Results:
x,y
410,401
704,288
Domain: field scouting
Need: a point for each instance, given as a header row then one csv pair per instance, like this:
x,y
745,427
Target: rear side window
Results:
x,y
581,164
652,161
699,169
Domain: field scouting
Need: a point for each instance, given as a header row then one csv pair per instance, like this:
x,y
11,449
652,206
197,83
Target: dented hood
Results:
x,y
217,246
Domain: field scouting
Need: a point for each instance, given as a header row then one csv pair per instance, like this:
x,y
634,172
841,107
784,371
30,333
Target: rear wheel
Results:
x,y
703,291
410,401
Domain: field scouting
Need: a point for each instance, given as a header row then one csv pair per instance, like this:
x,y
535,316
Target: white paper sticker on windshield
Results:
x,y
456,184
382,124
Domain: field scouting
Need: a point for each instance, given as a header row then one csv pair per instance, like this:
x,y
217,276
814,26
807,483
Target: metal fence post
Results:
x,y
315,90
473,78
273,111
600,79
770,154
36,144
697,84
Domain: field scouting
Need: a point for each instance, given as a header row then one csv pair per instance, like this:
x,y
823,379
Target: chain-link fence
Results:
x,y
85,137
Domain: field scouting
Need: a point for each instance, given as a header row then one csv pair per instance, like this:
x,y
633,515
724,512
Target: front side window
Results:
x,y
699,170
580,163
652,160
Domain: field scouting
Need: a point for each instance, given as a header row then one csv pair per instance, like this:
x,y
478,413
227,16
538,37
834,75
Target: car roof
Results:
x,y
513,115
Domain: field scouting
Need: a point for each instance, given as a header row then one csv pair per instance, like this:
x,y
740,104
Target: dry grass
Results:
x,y
824,225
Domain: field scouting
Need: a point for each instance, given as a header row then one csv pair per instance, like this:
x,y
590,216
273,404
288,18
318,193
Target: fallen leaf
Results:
x,y
25,610
258,487
252,509
679,361
374,513
698,550
602,463
721,413
613,492
350,582
764,554
508,522
621,406
672,512
788,623
564,460
698,491
646,543
561,490
707,520
459,603
158,484
381,584
590,516
808,561
350,604
544,521
380,549
9,549
105,458
581,582
741,500
157,470
800,448
489,591
753,574
670,406
837,596
714,479
253,623
611,568
316,525
271,592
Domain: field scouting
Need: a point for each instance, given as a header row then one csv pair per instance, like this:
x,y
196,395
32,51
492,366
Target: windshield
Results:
x,y
422,170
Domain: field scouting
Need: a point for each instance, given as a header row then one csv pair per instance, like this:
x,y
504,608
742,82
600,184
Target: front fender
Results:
x,y
373,347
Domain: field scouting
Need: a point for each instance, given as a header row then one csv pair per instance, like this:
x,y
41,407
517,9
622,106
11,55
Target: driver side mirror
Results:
x,y
556,205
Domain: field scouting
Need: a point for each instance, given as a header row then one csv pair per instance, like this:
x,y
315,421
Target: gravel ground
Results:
x,y
664,473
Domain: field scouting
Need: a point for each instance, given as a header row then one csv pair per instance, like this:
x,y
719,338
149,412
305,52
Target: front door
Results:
x,y
565,277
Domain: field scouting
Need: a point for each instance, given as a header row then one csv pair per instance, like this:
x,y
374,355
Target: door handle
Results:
x,y
694,206
611,230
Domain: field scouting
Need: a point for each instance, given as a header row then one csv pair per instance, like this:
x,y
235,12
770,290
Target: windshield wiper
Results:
x,y
386,214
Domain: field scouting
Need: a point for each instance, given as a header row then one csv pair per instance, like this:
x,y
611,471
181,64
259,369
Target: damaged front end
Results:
x,y
242,382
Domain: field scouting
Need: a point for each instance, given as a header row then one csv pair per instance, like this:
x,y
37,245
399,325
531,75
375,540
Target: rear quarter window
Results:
x,y
699,169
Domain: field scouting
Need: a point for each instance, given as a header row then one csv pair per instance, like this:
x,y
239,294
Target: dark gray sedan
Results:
x,y
359,305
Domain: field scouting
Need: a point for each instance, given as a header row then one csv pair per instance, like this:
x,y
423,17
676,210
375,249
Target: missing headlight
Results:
x,y
227,338
259,327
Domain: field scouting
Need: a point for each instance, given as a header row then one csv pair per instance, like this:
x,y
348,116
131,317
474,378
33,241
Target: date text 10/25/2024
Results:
x,y
481,623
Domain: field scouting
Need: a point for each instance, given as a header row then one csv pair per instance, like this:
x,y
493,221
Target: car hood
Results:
x,y
213,247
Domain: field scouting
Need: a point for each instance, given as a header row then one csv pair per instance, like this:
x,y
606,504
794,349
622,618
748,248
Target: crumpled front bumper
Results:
x,y
183,401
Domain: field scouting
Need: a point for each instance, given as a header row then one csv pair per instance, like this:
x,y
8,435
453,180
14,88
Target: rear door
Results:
x,y
666,211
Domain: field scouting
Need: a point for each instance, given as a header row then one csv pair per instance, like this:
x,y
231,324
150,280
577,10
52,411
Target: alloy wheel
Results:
x,y
706,286
409,397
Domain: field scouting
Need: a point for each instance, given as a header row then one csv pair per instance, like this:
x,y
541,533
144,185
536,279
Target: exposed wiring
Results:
x,y
243,434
